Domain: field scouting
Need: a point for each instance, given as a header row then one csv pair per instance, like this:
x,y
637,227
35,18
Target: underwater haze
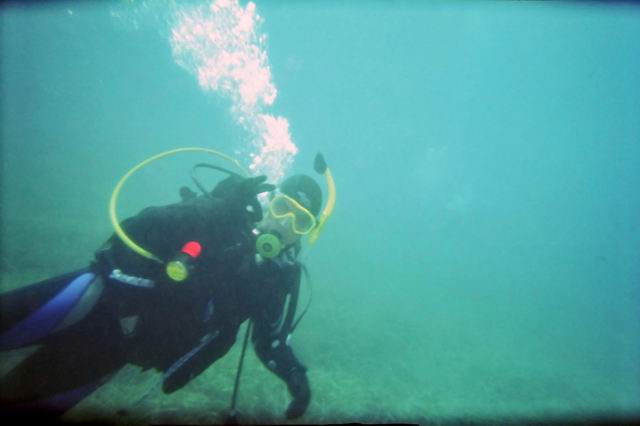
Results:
x,y
483,259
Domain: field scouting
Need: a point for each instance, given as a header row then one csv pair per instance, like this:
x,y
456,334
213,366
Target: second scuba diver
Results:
x,y
217,260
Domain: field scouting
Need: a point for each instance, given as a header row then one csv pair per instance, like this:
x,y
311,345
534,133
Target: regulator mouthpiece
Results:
x,y
268,246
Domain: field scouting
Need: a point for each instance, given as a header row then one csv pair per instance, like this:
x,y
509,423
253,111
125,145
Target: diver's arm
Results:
x,y
270,340
211,347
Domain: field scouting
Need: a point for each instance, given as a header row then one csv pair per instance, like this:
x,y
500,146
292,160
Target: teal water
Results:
x,y
483,258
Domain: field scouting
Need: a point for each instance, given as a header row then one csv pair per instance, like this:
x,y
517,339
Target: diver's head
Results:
x,y
305,190
292,211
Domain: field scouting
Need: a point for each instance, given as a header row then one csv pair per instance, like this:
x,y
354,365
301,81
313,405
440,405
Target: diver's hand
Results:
x,y
298,385
245,196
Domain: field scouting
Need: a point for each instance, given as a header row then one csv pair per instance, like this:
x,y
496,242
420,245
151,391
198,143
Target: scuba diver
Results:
x,y
170,290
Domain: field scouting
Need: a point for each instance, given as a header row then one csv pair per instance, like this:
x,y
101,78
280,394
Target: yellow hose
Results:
x,y
114,195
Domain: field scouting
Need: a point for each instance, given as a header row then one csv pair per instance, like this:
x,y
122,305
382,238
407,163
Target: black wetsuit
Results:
x,y
145,318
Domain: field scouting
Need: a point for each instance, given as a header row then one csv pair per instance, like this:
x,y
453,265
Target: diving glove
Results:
x,y
298,385
250,187
248,190
241,194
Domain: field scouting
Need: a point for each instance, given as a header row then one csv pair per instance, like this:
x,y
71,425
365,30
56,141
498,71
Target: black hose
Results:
x,y
232,416
208,166
308,280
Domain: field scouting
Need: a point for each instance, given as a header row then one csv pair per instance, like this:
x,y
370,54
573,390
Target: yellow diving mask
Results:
x,y
283,206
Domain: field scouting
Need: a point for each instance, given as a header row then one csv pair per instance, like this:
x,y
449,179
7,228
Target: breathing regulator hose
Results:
x,y
116,192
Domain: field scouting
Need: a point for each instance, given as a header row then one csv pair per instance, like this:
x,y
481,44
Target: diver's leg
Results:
x,y
58,376
68,365
33,313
